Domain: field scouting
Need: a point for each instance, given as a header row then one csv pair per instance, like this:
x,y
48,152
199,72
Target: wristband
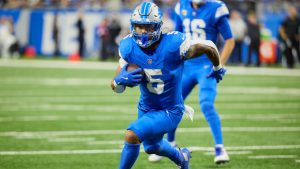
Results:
x,y
216,68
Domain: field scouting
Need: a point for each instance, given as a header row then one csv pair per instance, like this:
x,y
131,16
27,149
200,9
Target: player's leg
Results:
x,y
207,95
131,147
155,144
130,150
187,85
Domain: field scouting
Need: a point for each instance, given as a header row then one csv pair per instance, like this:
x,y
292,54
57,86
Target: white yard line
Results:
x,y
86,139
47,134
57,81
113,65
283,118
212,153
297,161
272,157
131,108
113,151
113,142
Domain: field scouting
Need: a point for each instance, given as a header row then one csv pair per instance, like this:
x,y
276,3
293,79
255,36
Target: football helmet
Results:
x,y
146,22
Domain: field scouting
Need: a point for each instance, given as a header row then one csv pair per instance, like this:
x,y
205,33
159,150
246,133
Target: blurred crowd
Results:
x,y
246,21
97,4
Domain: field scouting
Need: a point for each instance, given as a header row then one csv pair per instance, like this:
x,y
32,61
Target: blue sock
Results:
x,y
129,155
213,120
168,151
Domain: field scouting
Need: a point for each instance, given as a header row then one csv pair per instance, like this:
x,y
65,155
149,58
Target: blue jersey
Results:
x,y
163,69
200,23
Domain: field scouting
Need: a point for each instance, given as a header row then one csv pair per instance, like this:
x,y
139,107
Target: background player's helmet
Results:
x,y
198,1
146,14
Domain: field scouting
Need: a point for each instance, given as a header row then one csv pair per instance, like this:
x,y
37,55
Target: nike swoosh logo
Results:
x,y
126,78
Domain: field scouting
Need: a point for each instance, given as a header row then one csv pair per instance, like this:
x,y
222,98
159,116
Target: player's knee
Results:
x,y
208,109
151,149
207,106
131,137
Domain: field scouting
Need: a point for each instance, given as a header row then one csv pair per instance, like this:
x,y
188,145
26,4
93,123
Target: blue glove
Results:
x,y
129,78
217,74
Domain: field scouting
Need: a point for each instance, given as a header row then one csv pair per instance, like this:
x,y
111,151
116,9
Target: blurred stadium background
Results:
x,y
58,111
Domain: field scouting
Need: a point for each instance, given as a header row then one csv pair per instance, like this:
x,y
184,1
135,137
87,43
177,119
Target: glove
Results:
x,y
217,74
129,78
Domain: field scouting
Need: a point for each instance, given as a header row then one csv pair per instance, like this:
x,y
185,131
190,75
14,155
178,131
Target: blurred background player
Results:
x,y
290,33
160,108
203,19
253,38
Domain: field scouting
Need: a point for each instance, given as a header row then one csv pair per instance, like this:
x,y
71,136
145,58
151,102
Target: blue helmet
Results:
x,y
147,14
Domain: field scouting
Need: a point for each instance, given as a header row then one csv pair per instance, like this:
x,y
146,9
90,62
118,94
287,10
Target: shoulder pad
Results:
x,y
125,46
174,40
221,9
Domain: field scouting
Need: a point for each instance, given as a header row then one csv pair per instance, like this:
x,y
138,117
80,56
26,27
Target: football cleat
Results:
x,y
186,153
221,155
156,158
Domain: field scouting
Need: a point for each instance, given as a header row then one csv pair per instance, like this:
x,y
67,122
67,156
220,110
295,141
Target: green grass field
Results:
x,y
55,118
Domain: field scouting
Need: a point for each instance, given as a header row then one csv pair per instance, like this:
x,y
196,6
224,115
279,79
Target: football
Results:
x,y
132,66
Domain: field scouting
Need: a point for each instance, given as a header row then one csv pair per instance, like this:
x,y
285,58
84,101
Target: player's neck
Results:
x,y
196,6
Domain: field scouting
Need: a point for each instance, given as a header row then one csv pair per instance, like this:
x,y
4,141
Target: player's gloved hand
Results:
x,y
129,78
217,73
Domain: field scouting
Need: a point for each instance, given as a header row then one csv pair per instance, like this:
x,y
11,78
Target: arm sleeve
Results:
x,y
178,23
184,48
177,19
224,28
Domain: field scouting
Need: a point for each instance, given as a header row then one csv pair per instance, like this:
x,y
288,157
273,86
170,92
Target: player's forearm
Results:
x,y
207,47
227,49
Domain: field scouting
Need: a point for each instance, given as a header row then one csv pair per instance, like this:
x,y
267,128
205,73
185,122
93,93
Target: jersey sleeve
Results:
x,y
125,48
224,28
221,11
184,47
177,19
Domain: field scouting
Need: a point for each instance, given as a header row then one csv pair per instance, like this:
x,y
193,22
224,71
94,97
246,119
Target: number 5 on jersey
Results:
x,y
154,85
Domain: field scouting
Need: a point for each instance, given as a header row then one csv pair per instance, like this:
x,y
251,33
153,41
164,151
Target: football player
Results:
x,y
160,57
204,19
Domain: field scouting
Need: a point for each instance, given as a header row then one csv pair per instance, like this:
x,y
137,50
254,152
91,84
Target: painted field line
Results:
x,y
248,148
272,157
212,153
131,107
297,161
58,152
288,118
112,66
46,134
113,142
57,81
86,139
113,151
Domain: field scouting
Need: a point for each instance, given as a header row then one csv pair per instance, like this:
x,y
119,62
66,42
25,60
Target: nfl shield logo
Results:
x,y
149,61
184,12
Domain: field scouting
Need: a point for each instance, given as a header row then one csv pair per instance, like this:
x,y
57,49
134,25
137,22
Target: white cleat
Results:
x,y
154,158
189,112
221,155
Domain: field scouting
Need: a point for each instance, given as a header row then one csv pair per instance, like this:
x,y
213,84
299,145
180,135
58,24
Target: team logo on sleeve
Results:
x,y
149,61
184,12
